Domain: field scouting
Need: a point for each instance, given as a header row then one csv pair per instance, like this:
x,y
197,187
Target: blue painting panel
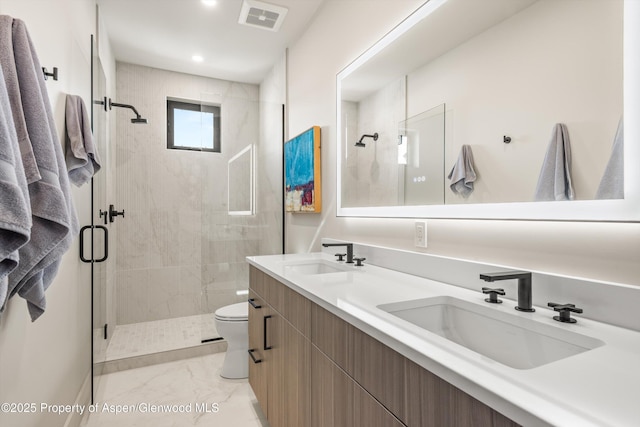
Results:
x,y
299,159
300,172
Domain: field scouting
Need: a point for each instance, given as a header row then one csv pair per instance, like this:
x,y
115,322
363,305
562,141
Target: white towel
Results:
x,y
53,214
612,182
463,173
15,211
554,182
80,152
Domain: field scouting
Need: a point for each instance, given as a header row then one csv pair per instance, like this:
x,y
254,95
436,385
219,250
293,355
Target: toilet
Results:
x,y
232,323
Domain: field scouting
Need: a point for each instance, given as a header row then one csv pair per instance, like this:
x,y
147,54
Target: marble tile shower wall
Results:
x,y
178,252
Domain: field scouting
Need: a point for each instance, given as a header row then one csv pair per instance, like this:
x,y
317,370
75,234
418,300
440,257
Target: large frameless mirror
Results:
x,y
533,98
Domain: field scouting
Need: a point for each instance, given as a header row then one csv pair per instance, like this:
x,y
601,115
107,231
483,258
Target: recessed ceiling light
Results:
x,y
209,3
197,58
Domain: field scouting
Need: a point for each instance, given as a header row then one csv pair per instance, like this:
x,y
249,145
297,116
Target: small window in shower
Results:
x,y
193,126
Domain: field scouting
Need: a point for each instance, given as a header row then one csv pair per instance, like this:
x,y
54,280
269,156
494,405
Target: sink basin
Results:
x,y
512,340
315,267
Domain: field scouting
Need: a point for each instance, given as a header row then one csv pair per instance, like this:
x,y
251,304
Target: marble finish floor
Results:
x,y
144,338
188,392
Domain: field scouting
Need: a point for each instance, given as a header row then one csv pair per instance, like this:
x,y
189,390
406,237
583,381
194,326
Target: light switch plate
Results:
x,y
420,234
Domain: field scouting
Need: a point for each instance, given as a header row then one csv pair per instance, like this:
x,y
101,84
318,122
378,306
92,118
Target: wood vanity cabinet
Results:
x,y
279,341
324,372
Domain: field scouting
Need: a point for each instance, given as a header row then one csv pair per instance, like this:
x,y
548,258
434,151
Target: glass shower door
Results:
x,y
241,200
99,219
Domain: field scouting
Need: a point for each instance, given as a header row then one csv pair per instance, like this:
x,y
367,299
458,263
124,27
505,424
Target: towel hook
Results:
x,y
48,74
506,139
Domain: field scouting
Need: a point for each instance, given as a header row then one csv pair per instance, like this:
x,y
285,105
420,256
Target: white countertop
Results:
x,y
600,387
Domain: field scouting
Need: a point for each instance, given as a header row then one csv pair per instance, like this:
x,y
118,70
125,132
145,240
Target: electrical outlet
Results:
x,y
420,235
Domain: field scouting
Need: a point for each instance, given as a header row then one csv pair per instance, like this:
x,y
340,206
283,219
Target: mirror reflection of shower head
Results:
x,y
362,144
137,120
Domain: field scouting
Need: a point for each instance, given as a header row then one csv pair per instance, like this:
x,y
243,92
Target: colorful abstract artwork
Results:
x,y
302,172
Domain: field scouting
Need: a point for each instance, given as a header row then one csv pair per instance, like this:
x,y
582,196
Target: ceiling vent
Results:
x,y
262,15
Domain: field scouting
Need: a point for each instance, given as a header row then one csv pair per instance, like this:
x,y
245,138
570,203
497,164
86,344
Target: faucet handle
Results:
x,y
493,295
341,256
565,312
359,261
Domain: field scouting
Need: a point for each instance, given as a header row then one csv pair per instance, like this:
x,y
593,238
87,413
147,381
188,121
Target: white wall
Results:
x,y
605,251
48,361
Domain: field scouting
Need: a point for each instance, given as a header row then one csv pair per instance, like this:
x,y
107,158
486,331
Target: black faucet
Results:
x,y
349,249
524,286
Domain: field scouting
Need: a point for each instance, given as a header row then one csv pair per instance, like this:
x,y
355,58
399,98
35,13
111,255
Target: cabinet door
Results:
x,y
296,375
258,357
338,401
275,368
281,381
289,387
376,367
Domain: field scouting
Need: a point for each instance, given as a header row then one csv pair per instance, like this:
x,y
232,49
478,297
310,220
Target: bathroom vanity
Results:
x,y
311,368
335,345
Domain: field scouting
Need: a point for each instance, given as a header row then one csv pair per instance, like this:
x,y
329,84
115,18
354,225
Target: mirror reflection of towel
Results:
x,y
612,183
554,182
463,173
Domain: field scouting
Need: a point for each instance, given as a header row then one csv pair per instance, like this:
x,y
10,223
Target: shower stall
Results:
x,y
190,212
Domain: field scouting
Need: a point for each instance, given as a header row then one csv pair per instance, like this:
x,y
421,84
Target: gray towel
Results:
x,y
53,214
554,182
7,62
15,211
612,182
80,153
463,173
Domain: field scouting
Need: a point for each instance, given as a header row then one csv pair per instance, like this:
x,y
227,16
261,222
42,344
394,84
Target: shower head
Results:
x,y
362,144
137,120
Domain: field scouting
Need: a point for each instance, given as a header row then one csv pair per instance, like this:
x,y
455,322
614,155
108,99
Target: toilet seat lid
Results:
x,y
233,312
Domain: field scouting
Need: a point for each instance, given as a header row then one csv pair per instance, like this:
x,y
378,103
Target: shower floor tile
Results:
x,y
143,338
